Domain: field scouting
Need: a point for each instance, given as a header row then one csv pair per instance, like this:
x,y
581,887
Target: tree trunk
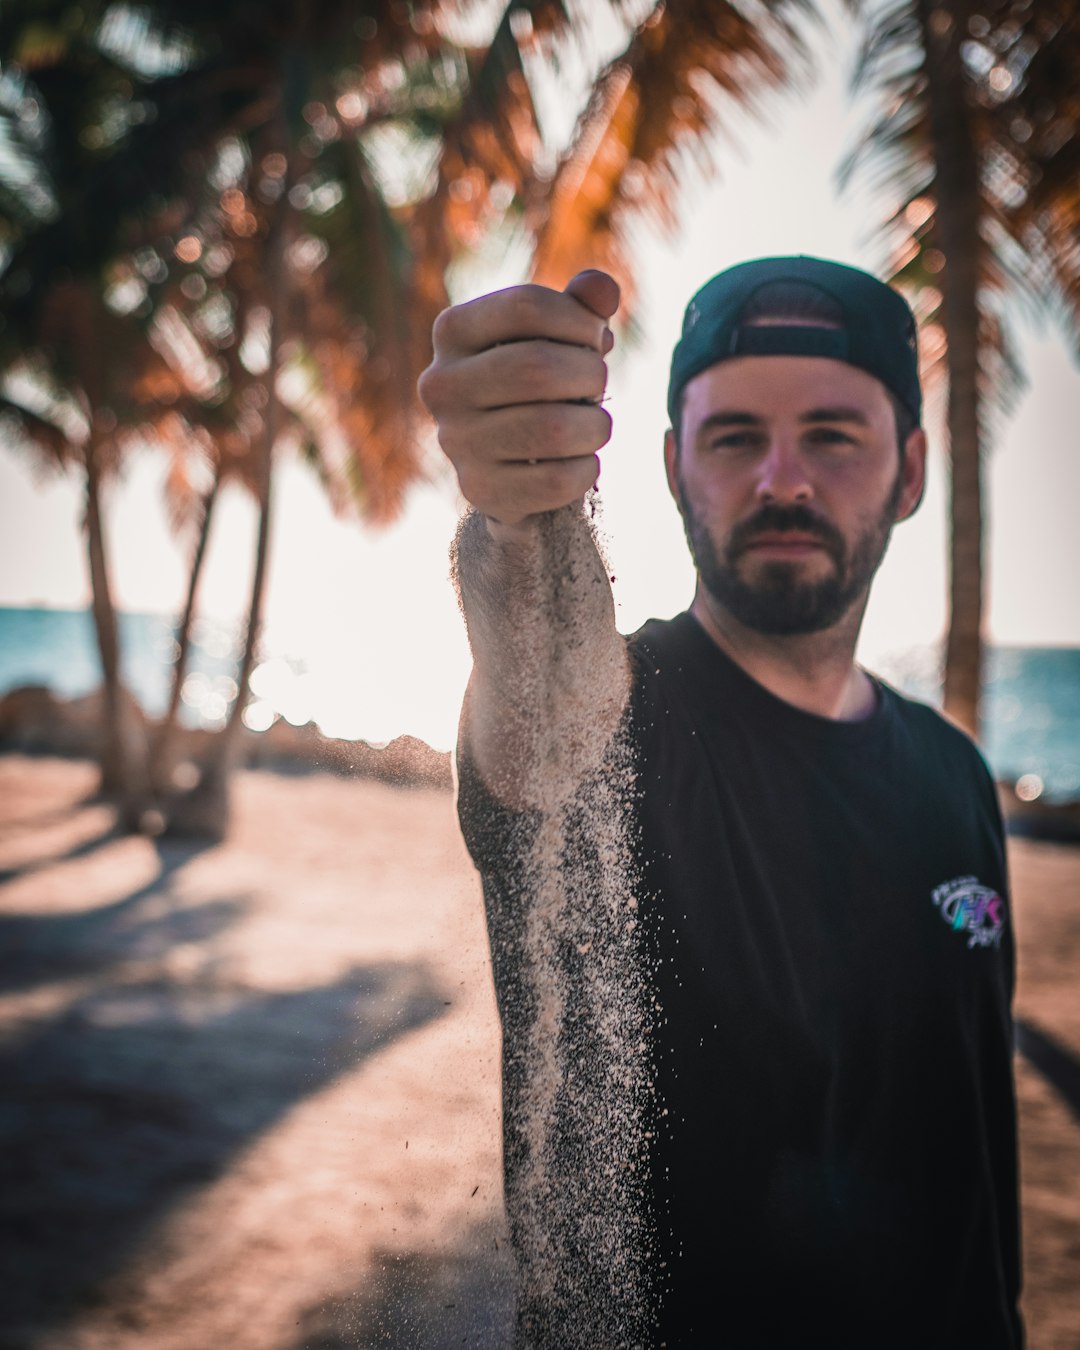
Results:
x,y
113,760
205,811
123,746
160,760
124,758
959,210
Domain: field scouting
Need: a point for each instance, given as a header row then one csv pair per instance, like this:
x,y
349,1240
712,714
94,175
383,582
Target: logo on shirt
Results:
x,y
968,907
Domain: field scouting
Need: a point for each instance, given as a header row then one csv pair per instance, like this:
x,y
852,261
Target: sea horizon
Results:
x,y
1031,723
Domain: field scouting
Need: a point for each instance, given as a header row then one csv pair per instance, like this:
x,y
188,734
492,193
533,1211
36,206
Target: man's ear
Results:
x,y
671,456
913,475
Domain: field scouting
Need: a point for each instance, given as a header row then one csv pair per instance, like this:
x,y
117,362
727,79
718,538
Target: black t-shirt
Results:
x,y
824,907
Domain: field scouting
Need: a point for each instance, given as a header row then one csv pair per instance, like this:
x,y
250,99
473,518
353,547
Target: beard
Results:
x,y
777,601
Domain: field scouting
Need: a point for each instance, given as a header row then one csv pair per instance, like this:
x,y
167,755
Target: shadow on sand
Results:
x,y
143,1086
1060,1067
35,948
462,1298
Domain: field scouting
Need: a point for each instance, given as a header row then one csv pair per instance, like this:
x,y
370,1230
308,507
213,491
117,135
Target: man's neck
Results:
x,y
815,672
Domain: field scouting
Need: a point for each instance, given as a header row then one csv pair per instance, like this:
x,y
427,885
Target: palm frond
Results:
x,y
665,97
1021,76
133,36
33,429
189,470
1033,121
889,47
29,196
492,150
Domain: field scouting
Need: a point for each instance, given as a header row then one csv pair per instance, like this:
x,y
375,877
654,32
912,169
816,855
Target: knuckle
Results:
x,y
428,385
596,372
525,305
472,484
532,311
482,488
442,390
442,328
452,444
467,444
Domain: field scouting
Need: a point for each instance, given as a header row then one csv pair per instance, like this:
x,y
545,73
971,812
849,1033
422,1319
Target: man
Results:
x,y
817,862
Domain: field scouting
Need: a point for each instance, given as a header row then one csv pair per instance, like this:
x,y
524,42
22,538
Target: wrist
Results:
x,y
522,531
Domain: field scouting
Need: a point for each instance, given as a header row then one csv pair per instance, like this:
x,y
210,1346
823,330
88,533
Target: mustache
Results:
x,y
770,519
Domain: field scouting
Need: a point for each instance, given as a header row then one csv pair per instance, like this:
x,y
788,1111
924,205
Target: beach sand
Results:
x,y
251,1092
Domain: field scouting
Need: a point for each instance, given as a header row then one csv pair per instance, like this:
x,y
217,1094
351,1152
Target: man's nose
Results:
x,y
783,475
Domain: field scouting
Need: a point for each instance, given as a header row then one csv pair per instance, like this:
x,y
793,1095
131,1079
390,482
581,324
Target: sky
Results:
x,y
373,615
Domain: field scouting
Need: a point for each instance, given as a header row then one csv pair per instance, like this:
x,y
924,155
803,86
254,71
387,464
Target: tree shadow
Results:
x,y
83,849
142,1092
1058,1066
160,1069
51,815
36,947
464,1297
172,852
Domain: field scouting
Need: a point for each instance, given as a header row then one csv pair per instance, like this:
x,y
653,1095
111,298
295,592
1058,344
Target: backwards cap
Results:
x,y
877,333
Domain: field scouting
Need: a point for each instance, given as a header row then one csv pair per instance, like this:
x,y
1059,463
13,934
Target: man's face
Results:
x,y
789,480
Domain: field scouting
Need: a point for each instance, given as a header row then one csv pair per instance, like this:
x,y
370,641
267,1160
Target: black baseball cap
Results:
x,y
876,332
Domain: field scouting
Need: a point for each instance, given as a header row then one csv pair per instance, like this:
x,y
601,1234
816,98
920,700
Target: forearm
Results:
x,y
550,676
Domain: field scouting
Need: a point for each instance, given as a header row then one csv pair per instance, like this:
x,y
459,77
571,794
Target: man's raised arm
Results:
x,y
515,387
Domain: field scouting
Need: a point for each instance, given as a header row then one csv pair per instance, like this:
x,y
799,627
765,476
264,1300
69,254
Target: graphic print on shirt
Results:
x,y
969,907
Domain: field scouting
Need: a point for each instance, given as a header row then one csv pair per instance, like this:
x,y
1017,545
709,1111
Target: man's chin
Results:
x,y
760,568
773,617
781,599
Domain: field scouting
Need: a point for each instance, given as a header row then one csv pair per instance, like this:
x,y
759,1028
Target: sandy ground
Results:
x,y
251,1092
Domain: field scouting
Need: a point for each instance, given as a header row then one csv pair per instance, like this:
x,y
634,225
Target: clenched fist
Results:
x,y
515,387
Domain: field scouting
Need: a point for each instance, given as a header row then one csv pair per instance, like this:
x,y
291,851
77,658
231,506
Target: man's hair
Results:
x,y
798,302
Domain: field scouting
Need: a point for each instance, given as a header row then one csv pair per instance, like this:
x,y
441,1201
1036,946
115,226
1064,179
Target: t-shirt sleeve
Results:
x,y
956,760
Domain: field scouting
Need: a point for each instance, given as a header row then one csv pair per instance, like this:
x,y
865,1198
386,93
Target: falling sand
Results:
x,y
568,960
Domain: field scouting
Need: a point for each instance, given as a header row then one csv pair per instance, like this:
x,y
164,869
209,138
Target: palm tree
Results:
x,y
190,509
58,392
257,190
345,283
655,109
70,352
976,148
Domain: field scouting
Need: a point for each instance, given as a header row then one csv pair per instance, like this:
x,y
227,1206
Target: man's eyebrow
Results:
x,y
725,417
836,415
734,417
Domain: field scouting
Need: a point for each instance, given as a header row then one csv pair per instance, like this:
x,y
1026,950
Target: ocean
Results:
x,y
1031,710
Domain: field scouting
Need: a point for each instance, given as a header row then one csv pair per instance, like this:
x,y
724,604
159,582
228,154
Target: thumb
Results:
x,y
596,291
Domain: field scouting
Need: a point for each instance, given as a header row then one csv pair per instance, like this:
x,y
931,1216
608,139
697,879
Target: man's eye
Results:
x,y
830,436
733,440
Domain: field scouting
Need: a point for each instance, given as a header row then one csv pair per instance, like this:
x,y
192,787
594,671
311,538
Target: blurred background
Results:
x,y
232,1000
